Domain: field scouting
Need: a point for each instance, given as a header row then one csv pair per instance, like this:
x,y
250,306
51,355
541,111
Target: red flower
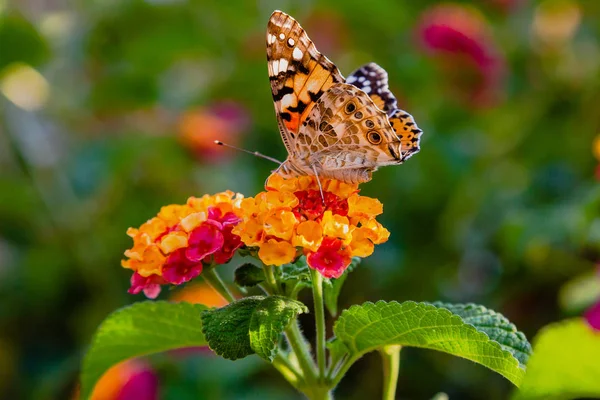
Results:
x,y
331,259
310,204
459,37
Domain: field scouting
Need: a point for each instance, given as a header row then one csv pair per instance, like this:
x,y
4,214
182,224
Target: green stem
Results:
x,y
390,357
300,348
271,281
214,280
317,283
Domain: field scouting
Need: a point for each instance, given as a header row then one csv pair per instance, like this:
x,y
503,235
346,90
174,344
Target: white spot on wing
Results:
x,y
283,64
291,42
275,66
367,89
271,39
297,54
281,36
288,100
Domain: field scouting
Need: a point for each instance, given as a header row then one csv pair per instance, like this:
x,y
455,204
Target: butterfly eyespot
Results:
x,y
358,115
373,137
369,124
350,107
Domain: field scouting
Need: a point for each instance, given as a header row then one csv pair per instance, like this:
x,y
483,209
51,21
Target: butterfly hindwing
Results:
x,y
373,80
346,131
299,74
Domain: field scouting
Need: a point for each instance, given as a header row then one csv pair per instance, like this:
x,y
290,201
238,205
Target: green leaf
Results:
x,y
332,289
294,276
226,329
249,275
250,325
495,325
137,330
371,326
269,320
297,271
565,363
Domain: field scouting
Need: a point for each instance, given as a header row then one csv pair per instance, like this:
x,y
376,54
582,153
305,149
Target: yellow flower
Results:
x,y
328,229
276,253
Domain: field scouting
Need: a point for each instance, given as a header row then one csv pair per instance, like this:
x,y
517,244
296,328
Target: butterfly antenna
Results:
x,y
254,153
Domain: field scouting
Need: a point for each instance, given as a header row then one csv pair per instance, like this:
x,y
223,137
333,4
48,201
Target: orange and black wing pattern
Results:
x,y
299,74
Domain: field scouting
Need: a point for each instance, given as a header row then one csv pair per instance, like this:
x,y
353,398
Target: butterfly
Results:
x,y
330,126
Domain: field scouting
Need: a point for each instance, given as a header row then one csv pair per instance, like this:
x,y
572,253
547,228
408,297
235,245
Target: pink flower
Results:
x,y
204,241
179,269
592,316
458,37
149,285
331,259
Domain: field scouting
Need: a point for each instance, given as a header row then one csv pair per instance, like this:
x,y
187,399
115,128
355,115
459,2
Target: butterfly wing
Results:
x,y
299,74
373,80
346,136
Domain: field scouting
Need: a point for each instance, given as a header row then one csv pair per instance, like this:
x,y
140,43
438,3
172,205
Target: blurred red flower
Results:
x,y
458,37
200,127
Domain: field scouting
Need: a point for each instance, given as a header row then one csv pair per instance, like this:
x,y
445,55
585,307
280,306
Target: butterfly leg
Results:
x,y
319,183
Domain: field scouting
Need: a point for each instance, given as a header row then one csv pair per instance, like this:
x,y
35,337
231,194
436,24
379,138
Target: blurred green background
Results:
x,y
108,110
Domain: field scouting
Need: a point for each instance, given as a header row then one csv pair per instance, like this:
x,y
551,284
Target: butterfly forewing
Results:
x,y
299,74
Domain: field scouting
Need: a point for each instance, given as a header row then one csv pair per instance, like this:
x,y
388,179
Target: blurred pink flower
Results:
x,y
129,380
592,316
458,37
200,127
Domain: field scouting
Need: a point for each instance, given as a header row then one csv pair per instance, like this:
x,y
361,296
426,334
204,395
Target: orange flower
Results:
x,y
329,229
172,247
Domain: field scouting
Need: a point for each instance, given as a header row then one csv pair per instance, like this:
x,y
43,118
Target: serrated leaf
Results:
x,y
371,326
137,330
331,290
495,325
297,271
226,329
269,320
248,275
565,363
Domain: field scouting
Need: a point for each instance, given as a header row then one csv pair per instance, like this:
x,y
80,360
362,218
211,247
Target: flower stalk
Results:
x,y
390,357
317,289
214,280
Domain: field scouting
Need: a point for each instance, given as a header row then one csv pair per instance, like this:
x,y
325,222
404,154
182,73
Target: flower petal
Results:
x,y
204,241
276,253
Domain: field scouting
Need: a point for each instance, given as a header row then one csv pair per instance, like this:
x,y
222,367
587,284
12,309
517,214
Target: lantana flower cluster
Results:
x,y
174,246
292,218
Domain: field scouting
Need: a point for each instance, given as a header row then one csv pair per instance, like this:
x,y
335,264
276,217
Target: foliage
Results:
x,y
141,329
499,208
564,364
371,326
